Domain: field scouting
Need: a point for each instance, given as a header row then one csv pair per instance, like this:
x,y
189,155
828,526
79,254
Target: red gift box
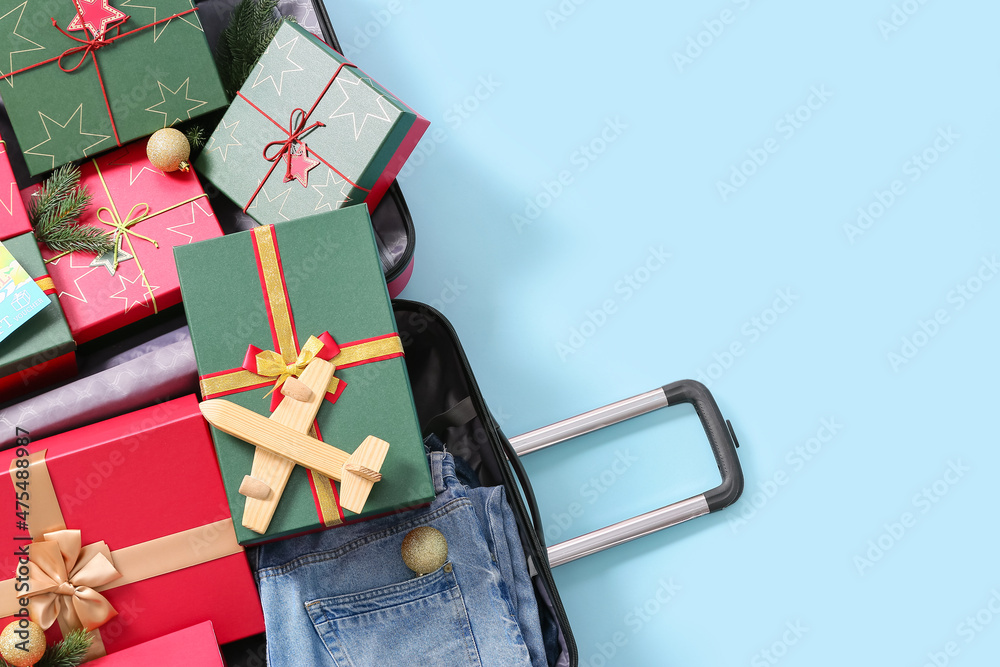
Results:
x,y
144,492
192,647
13,217
151,212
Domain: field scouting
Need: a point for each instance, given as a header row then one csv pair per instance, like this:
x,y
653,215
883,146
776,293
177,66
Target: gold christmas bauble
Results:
x,y
168,149
22,643
424,549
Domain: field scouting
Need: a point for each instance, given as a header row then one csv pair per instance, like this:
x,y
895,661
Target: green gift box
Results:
x,y
77,86
277,289
308,132
41,351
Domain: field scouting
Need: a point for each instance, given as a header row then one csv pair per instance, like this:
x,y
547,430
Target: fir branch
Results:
x,y
251,28
195,136
69,652
55,209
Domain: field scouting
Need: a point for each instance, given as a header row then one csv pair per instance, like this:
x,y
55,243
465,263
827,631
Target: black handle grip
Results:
x,y
719,437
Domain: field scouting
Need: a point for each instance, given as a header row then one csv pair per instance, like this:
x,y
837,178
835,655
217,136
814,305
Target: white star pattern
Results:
x,y
263,198
334,180
362,96
72,264
216,145
133,301
175,229
10,207
290,44
122,159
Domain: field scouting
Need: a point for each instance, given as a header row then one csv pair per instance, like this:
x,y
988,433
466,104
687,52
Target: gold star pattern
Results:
x,y
290,44
64,129
221,143
10,16
177,109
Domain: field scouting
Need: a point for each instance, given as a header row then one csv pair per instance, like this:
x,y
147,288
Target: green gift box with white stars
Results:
x,y
308,132
79,77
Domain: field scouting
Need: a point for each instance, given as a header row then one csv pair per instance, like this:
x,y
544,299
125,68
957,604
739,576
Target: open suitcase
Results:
x,y
447,396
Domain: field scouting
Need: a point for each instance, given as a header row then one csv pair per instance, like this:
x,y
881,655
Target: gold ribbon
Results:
x,y
45,283
272,364
123,228
62,577
95,568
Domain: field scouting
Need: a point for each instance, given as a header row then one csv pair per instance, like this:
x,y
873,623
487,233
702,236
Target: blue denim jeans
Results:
x,y
344,596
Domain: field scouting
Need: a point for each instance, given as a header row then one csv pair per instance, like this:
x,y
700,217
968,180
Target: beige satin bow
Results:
x,y
62,577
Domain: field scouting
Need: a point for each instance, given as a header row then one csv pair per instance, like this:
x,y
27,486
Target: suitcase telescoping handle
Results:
x,y
720,436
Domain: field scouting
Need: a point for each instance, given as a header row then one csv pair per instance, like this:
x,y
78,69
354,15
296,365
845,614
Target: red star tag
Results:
x,y
97,16
299,164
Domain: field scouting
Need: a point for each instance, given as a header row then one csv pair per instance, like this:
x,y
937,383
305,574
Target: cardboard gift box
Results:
x,y
75,86
13,217
192,647
132,513
41,351
149,212
308,132
283,294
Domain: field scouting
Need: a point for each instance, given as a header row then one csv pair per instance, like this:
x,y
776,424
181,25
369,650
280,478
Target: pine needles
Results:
x,y
55,210
67,653
251,28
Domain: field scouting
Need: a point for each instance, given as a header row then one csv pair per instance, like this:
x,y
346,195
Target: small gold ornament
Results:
x,y
168,149
18,636
424,550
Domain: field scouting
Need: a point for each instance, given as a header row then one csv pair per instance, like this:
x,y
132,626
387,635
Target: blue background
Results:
x,y
841,546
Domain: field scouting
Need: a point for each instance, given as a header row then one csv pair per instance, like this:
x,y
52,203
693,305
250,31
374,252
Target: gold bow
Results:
x,y
62,576
272,364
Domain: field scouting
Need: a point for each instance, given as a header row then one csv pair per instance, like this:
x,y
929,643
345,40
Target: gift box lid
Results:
x,y
136,482
195,646
334,283
46,335
352,132
70,96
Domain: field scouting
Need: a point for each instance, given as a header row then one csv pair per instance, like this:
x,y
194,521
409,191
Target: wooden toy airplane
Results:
x,y
282,440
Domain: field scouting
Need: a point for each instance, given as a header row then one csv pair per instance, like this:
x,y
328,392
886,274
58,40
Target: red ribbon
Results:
x,y
295,131
89,47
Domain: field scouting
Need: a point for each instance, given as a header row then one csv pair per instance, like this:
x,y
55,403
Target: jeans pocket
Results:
x,y
419,621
